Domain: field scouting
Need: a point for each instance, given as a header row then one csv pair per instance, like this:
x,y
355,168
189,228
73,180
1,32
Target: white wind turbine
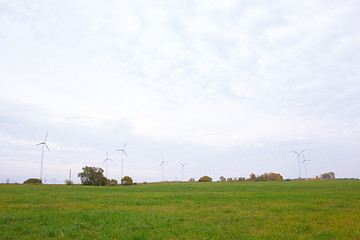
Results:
x,y
162,165
122,150
42,154
304,162
107,159
183,166
299,160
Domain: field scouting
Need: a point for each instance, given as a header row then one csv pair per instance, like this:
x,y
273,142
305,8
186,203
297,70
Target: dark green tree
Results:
x,y
33,181
205,179
93,176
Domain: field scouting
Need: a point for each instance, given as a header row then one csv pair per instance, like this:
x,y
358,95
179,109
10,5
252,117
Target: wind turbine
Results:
x,y
183,165
299,160
106,160
122,150
162,165
42,154
304,162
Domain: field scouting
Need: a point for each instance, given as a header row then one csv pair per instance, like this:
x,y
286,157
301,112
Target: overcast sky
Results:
x,y
230,87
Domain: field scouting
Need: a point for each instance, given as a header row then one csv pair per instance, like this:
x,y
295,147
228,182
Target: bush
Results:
x,y
191,180
33,181
113,182
68,182
205,179
127,180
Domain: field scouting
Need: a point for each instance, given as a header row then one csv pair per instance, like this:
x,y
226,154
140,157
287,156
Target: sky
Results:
x,y
228,87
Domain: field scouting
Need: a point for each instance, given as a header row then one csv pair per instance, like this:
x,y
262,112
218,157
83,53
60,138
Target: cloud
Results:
x,y
195,75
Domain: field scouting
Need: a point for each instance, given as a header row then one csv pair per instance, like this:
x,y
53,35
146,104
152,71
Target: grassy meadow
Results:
x,y
235,210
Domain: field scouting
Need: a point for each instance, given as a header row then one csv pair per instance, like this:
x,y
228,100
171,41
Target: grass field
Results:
x,y
236,210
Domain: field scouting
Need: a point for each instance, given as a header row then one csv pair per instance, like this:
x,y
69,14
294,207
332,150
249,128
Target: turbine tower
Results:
x,y
122,150
183,165
299,160
107,159
42,154
304,162
162,165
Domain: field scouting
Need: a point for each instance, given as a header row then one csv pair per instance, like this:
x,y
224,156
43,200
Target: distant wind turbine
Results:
x,y
162,165
107,159
42,154
299,160
183,165
304,162
122,150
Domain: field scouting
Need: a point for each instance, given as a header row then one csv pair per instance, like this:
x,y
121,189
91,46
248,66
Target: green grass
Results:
x,y
237,210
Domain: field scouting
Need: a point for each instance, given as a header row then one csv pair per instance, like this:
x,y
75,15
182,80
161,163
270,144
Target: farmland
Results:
x,y
234,210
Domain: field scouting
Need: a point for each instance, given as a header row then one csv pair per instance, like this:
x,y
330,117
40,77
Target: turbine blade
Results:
x,y
295,152
125,153
47,147
46,136
125,144
302,151
39,144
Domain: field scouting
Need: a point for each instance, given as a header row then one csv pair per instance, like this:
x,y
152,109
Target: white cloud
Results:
x,y
219,75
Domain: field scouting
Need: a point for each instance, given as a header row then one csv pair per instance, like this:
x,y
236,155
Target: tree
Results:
x,y
252,177
127,180
205,179
93,176
191,180
33,181
113,182
222,179
68,182
327,176
265,177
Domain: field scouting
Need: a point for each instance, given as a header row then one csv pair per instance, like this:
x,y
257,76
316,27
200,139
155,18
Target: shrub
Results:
x,y
33,181
68,182
205,179
191,180
113,182
127,180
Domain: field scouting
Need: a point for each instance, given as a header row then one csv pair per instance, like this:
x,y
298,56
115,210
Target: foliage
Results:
x,y
68,182
265,177
33,181
327,176
127,180
191,180
205,179
222,179
113,182
93,176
